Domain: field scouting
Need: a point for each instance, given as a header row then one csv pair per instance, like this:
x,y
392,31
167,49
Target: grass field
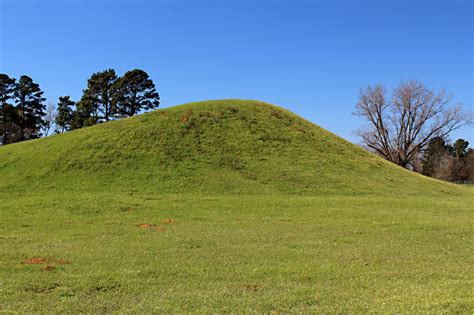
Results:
x,y
229,206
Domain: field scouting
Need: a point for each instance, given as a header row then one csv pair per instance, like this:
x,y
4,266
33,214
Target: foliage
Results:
x,y
460,148
135,92
21,109
95,105
108,96
30,107
448,162
7,113
434,156
65,114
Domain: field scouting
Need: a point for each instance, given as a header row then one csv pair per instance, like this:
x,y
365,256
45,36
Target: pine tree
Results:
x,y
30,107
86,114
65,113
7,89
134,92
460,148
460,166
434,156
96,102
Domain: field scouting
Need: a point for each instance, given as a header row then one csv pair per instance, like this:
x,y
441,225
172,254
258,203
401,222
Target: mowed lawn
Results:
x,y
182,253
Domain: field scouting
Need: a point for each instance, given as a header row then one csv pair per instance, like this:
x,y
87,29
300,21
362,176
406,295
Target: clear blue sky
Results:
x,y
311,57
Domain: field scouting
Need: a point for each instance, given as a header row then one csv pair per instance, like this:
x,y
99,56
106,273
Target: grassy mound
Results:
x,y
229,146
226,207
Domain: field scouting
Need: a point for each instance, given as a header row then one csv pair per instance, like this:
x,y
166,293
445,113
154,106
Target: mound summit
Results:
x,y
224,146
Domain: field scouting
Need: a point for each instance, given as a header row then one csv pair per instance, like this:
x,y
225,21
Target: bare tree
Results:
x,y
444,170
400,128
49,119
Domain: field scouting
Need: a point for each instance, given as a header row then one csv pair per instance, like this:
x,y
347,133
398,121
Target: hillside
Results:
x,y
228,146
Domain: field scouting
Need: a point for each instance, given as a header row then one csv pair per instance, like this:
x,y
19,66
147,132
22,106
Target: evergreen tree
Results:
x,y
86,114
460,167
434,156
7,89
452,163
96,101
460,148
31,108
65,113
134,92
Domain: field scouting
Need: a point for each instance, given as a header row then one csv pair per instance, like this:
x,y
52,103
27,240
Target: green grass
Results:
x,y
252,210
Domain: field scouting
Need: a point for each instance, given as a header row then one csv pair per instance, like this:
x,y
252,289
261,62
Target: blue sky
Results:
x,y
311,57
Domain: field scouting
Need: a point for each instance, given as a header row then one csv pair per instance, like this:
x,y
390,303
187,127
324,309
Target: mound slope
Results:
x,y
227,146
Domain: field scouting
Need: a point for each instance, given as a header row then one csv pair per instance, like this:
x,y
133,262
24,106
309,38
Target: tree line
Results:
x,y
452,162
24,114
410,128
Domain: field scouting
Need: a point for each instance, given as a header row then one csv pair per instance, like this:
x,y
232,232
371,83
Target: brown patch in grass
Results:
x,y
250,287
48,268
169,221
35,261
183,119
276,113
145,225
62,262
